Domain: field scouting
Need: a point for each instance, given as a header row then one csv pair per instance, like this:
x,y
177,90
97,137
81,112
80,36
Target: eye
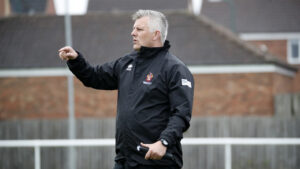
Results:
x,y
138,29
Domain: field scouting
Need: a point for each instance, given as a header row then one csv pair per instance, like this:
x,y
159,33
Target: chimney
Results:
x,y
4,8
195,6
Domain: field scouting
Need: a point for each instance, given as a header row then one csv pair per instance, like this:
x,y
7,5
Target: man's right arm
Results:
x,y
98,77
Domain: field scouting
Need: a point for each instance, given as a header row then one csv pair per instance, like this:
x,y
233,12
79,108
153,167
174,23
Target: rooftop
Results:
x,y
33,41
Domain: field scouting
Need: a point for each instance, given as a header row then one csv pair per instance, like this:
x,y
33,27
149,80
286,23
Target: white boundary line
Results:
x,y
227,69
35,72
211,69
270,36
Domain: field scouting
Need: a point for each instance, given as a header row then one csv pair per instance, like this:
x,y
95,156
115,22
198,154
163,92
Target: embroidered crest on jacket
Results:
x,y
149,78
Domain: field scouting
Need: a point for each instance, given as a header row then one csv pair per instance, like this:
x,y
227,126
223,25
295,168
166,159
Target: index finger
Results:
x,y
145,145
64,48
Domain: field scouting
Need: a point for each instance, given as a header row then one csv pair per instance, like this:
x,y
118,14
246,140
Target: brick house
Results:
x,y
28,7
231,76
273,26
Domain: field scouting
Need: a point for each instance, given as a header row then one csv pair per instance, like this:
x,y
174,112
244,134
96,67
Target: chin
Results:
x,y
136,48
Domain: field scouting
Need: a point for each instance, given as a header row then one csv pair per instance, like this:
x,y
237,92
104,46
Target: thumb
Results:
x,y
149,152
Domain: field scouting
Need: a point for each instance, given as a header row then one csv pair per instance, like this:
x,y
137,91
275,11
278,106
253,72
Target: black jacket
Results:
x,y
155,97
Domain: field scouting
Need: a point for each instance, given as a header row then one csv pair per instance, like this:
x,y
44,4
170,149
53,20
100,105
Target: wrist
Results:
x,y
74,56
164,142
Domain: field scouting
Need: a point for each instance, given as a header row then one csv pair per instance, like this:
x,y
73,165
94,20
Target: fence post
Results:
x,y
37,157
227,156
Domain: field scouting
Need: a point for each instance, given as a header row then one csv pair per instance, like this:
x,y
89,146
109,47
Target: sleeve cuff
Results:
x,y
168,140
75,62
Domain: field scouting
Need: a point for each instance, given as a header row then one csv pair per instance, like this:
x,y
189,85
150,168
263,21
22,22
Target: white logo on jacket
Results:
x,y
185,82
129,67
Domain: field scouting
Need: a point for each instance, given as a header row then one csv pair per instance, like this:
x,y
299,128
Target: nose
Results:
x,y
133,33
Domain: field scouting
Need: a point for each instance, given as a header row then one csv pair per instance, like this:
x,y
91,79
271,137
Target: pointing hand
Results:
x,y
67,53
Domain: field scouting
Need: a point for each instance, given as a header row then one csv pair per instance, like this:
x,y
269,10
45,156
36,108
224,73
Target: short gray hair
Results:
x,y
157,21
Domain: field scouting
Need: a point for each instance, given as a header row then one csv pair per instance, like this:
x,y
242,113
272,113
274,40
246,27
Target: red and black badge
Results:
x,y
149,77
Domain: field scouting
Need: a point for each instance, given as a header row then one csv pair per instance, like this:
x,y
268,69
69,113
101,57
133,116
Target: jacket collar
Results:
x,y
147,52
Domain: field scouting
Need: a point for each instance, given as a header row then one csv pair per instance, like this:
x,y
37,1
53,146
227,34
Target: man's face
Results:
x,y
141,34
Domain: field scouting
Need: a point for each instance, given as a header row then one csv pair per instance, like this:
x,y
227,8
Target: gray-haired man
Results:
x,y
155,94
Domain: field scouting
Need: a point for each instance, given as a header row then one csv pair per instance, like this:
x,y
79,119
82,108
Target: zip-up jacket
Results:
x,y
155,97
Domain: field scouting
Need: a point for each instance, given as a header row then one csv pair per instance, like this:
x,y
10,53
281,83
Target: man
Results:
x,y
155,94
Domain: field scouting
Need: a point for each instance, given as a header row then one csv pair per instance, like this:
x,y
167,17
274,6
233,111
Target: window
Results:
x,y
28,6
294,51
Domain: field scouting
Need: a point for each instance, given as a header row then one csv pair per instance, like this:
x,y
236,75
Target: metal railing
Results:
x,y
227,142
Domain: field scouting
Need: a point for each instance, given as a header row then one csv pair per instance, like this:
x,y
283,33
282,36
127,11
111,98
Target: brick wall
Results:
x,y
275,47
47,97
215,94
91,102
282,84
218,94
50,9
2,8
233,94
279,48
239,94
33,97
296,81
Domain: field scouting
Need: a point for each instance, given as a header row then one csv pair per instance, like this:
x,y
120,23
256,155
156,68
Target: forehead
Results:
x,y
141,22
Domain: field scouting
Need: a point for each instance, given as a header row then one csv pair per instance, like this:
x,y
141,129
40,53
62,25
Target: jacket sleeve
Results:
x,y
98,77
181,93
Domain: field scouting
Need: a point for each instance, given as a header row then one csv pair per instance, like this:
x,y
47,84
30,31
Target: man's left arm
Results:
x,y
181,93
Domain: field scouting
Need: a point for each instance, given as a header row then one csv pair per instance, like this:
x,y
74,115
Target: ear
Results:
x,y
156,35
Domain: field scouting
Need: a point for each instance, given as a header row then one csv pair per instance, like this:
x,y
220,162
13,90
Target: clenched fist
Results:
x,y
67,53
